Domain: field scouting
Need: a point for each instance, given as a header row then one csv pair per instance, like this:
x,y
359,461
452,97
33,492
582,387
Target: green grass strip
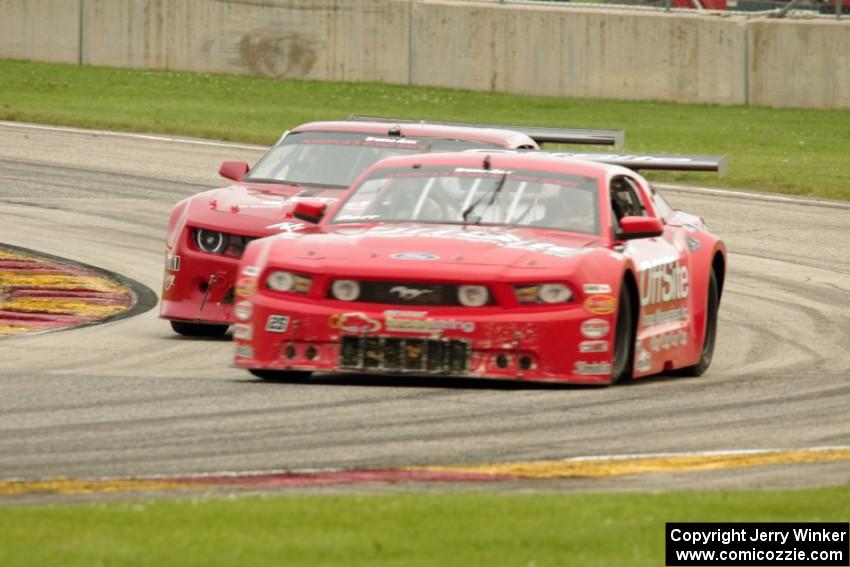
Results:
x,y
391,529
803,152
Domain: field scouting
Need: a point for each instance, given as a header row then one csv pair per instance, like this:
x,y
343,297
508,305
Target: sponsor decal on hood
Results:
x,y
501,239
422,256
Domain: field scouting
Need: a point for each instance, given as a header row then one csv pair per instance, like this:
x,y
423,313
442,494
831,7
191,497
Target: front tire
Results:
x,y
707,353
621,365
290,376
198,329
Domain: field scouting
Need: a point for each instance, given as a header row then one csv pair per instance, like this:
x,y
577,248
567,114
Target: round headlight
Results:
x,y
472,295
554,293
280,281
211,241
345,290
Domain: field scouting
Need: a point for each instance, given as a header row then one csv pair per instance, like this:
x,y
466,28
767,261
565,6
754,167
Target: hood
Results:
x,y
254,208
447,249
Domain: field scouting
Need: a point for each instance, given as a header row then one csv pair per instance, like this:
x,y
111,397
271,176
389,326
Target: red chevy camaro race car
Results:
x,y
493,265
207,232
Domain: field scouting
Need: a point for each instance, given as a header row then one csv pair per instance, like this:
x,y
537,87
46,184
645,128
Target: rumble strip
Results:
x,y
586,467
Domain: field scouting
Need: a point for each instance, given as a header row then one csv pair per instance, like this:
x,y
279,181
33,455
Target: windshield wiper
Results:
x,y
493,193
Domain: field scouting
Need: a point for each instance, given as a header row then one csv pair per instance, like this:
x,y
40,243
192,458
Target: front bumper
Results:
x,y
535,344
201,289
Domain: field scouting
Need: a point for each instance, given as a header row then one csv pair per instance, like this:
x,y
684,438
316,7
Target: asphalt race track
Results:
x,y
130,398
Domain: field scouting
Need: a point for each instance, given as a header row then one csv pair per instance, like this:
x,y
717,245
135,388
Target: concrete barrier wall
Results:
x,y
538,50
318,39
547,50
42,30
800,63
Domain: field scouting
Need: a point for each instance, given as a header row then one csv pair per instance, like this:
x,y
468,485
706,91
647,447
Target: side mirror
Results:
x,y
234,170
309,211
640,227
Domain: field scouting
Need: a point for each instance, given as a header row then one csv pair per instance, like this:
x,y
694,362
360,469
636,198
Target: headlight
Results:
x,y
211,241
280,281
345,290
554,293
543,293
287,281
472,295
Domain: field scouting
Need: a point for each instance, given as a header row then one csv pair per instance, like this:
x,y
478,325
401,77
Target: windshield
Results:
x,y
337,158
476,196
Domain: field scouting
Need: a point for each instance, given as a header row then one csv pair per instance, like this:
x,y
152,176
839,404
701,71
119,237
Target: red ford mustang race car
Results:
x,y
494,265
207,233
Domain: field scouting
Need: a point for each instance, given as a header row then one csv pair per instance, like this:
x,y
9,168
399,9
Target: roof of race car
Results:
x,y
504,138
501,160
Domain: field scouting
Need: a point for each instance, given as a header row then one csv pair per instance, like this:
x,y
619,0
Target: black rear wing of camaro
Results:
x,y
658,162
540,134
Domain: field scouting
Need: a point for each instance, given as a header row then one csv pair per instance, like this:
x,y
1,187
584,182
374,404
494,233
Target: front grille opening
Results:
x,y
404,355
409,293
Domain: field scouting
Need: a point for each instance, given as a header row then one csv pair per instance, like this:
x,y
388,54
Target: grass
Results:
x,y
391,529
803,152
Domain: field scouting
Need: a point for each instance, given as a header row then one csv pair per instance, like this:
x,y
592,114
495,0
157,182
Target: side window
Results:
x,y
662,207
625,201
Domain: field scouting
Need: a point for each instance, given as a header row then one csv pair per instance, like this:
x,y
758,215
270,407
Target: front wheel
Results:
x,y
621,367
198,329
712,302
291,376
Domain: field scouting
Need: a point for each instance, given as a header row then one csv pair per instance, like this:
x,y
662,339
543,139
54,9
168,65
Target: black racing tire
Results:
x,y
188,329
290,376
708,343
624,341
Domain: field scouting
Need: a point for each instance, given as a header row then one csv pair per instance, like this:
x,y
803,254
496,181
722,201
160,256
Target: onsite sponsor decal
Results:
x,y
595,328
600,304
354,323
243,331
661,316
244,351
416,322
277,323
493,173
668,340
593,346
263,204
591,288
390,142
243,310
311,199
246,286
286,226
643,360
592,368
422,256
662,281
172,262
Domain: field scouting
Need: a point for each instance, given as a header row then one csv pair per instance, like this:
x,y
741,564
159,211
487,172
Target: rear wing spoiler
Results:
x,y
658,162
540,134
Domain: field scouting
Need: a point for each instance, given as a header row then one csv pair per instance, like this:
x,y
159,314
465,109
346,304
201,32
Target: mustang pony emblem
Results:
x,y
409,292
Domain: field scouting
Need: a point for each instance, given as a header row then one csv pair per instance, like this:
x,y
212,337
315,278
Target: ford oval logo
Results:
x,y
423,256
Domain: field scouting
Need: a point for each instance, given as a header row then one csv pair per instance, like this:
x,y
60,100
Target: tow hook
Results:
x,y
217,280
